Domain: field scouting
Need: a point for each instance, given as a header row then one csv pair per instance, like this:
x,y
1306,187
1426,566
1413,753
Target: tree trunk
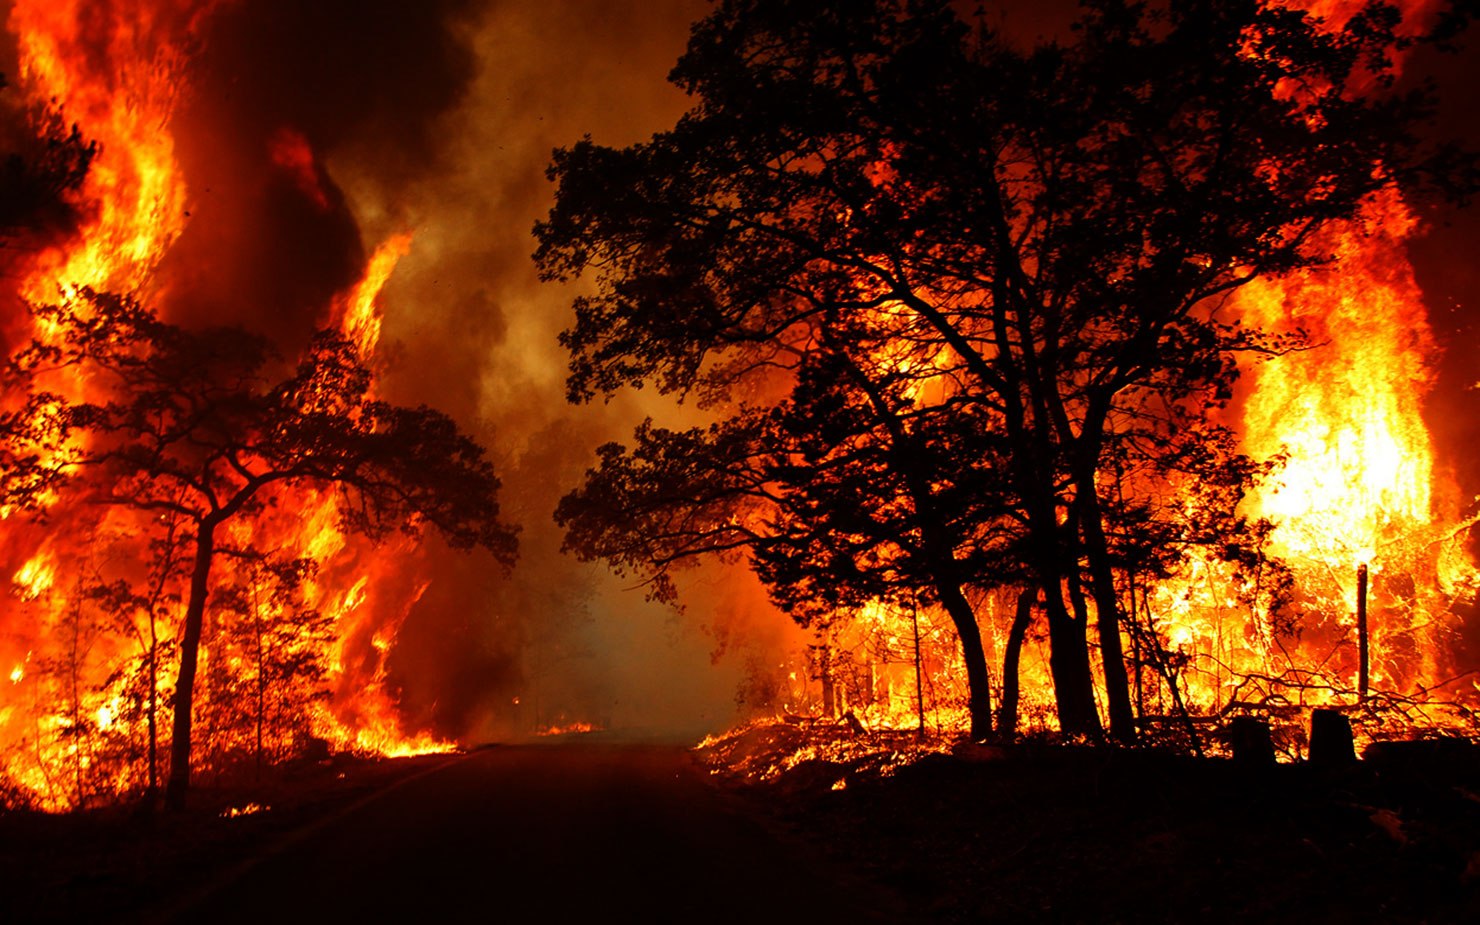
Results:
x,y
153,706
919,674
1068,658
978,680
1068,662
261,680
74,670
1007,716
179,782
940,554
1107,609
1363,657
824,670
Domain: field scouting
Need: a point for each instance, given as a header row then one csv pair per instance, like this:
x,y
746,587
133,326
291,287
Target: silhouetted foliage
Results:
x,y
41,160
1043,237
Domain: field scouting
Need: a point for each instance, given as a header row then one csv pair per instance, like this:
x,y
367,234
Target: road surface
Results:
x,y
559,833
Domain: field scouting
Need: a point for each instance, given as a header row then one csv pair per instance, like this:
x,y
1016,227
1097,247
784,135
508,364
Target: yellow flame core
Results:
x,y
1358,487
1347,412
36,577
359,314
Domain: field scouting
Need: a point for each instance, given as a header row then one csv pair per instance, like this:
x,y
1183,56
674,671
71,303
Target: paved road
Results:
x,y
562,833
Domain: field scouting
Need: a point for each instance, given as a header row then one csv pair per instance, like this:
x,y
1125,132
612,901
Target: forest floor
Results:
x,y
1066,834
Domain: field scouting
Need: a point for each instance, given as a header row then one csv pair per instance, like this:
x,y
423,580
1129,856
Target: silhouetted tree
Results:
x,y
1061,224
841,495
139,612
206,424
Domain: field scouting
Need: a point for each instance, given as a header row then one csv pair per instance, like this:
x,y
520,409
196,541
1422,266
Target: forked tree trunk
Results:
x,y
179,782
1068,654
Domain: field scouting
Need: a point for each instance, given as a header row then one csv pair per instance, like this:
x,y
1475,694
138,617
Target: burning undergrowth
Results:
x,y
803,754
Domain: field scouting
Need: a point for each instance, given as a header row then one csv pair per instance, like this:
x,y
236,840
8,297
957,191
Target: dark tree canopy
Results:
x,y
195,422
1043,238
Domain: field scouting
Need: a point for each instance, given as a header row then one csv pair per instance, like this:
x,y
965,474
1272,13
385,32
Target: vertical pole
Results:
x,y
919,682
1363,663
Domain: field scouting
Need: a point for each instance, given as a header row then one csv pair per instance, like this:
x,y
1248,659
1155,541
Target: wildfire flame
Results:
x,y
1360,487
118,74
123,96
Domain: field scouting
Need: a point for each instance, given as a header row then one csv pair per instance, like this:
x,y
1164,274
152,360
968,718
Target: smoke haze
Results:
x,y
311,133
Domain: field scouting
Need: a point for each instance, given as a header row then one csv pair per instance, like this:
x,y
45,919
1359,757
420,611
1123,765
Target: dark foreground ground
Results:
x,y
571,832
591,830
1055,834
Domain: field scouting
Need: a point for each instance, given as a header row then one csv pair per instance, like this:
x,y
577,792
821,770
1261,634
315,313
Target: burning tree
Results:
x,y
1044,241
207,427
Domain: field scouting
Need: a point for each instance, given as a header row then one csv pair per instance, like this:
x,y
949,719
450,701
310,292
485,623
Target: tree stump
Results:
x,y
1331,742
1249,738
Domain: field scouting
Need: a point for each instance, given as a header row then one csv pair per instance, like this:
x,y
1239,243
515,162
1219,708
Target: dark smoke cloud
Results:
x,y
262,249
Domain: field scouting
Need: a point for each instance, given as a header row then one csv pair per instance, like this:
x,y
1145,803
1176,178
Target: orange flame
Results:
x,y
117,76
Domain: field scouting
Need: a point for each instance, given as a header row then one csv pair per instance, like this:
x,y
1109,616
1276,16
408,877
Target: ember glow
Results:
x,y
565,729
